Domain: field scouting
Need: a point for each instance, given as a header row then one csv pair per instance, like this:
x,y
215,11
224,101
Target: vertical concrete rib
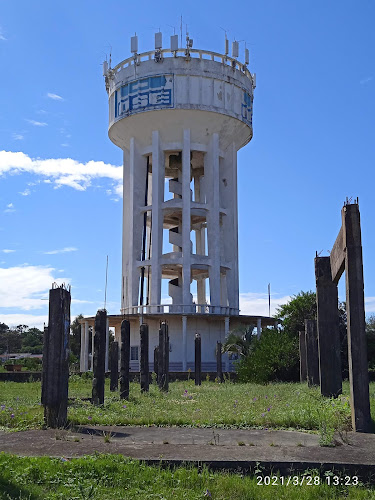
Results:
x,y
82,354
86,353
92,348
211,168
157,217
134,195
186,222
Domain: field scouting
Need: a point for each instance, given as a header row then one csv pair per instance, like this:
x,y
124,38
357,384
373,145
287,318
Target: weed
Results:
x,y
107,436
241,443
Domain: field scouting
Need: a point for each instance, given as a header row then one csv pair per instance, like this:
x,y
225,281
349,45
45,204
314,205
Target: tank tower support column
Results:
x,y
186,220
211,167
158,173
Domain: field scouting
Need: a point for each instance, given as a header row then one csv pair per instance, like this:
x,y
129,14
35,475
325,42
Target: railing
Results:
x,y
192,53
181,309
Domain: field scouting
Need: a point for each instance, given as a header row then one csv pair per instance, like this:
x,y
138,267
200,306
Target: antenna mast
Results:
x,y
106,282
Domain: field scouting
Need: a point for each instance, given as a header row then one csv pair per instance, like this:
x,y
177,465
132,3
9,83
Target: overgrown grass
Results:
x,y
282,405
105,477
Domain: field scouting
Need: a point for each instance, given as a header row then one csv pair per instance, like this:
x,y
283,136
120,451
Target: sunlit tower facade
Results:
x,y
180,115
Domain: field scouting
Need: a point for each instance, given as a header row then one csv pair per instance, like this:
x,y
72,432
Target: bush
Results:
x,y
273,357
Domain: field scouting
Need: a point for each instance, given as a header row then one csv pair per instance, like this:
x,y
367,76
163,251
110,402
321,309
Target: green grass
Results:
x,y
286,406
106,477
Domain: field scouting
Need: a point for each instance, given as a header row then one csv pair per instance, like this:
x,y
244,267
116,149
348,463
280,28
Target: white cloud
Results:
x,y
254,304
24,287
55,97
370,304
25,193
30,320
6,250
63,250
62,171
366,80
2,37
10,208
64,145
17,137
36,123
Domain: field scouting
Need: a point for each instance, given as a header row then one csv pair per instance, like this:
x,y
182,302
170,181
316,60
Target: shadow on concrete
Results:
x,y
90,431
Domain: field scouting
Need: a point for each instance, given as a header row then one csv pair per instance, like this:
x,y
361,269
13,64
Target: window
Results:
x,y
134,353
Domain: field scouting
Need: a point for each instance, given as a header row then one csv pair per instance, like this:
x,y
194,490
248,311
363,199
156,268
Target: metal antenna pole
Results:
x,y
269,300
106,281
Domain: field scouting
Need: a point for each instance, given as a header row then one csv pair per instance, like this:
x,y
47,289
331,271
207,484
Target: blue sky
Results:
x,y
313,145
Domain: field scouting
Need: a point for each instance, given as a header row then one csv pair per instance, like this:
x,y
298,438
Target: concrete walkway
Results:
x,y
224,448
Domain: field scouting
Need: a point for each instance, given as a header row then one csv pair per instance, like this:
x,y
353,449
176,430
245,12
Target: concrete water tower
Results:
x,y
180,115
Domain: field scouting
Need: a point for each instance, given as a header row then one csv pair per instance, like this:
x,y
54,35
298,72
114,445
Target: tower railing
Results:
x,y
181,309
193,54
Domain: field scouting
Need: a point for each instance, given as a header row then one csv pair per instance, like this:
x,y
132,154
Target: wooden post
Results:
x,y
144,371
163,358
355,303
156,362
114,366
219,366
198,357
328,329
99,358
302,357
125,359
55,376
312,353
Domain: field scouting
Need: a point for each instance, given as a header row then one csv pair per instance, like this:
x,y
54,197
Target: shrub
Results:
x,y
274,356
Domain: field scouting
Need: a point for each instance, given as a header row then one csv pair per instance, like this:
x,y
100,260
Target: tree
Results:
x,y
32,341
10,341
274,356
293,314
239,341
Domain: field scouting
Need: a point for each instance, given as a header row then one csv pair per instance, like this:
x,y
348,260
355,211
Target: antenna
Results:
x,y
158,40
269,300
174,44
235,49
106,282
134,44
181,30
247,56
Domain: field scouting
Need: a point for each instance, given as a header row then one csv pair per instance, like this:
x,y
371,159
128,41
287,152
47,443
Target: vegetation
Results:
x,y
274,356
286,405
106,477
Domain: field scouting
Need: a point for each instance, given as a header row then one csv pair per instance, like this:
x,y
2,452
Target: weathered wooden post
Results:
x,y
198,357
163,358
328,329
144,371
125,359
219,366
156,362
99,358
355,307
55,376
312,353
302,357
114,366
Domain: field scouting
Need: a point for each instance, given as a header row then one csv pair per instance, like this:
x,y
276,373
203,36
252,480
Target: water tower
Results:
x,y
180,115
